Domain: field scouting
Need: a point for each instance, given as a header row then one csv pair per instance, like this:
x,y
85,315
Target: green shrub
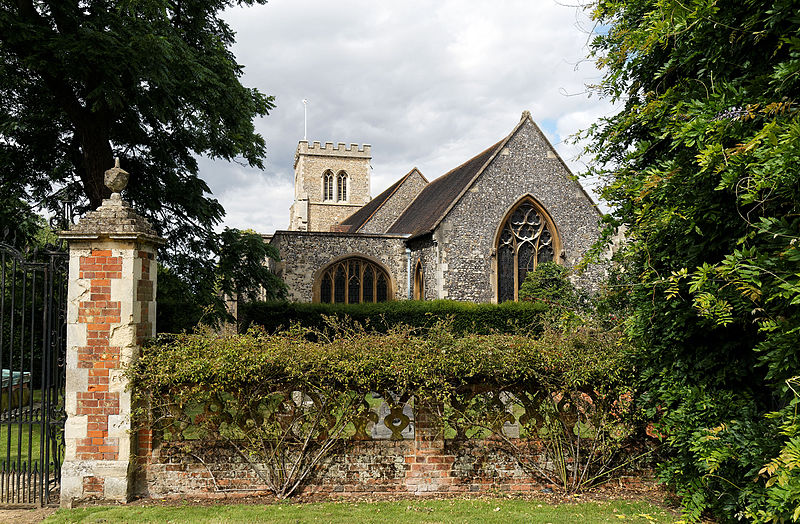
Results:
x,y
549,283
366,361
461,317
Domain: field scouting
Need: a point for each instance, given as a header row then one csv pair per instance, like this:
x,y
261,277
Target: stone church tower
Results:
x,y
330,184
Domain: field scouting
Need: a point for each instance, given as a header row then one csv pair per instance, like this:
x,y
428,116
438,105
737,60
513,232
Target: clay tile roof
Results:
x,y
435,199
364,213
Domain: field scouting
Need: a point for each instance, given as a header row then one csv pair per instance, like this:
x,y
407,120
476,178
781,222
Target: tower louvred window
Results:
x,y
527,239
354,280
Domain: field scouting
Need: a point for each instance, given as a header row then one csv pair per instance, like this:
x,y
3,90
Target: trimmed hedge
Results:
x,y
461,317
437,363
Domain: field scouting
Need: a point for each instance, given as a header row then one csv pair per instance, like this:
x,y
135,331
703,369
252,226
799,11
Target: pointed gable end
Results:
x,y
378,214
441,195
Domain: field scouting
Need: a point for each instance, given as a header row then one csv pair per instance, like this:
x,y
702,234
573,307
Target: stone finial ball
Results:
x,y
116,178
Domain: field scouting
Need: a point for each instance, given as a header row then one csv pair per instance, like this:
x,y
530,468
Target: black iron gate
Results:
x,y
32,358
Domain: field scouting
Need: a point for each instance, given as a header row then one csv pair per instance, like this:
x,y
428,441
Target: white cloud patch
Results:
x,y
428,85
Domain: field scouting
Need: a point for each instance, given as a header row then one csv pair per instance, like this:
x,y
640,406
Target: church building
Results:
x,y
472,234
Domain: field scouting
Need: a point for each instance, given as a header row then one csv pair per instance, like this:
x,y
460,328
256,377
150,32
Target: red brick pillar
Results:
x,y
430,466
110,311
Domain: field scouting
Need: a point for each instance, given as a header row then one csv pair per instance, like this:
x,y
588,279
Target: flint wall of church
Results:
x,y
466,237
394,206
424,250
306,254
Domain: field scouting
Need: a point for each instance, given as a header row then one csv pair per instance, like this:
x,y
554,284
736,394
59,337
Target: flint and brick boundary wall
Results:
x,y
427,465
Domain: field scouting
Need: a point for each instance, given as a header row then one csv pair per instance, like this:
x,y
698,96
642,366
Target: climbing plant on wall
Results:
x,y
284,403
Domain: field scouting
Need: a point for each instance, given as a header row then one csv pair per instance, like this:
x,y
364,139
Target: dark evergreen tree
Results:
x,y
151,81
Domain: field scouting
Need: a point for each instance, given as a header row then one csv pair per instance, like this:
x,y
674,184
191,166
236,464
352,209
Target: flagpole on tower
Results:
x,y
305,119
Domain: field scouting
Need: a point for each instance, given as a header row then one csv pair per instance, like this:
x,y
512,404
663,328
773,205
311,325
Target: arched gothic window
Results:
x,y
419,282
327,186
341,194
527,238
354,280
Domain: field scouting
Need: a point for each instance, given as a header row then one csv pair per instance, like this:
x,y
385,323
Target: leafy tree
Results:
x,y
242,272
700,164
19,225
151,81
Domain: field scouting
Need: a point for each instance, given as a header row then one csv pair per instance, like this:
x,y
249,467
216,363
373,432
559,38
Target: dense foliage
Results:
x,y
241,273
462,317
363,361
549,283
152,82
700,165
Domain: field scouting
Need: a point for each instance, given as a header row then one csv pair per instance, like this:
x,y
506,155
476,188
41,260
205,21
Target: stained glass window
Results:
x,y
381,288
368,285
354,280
325,288
526,239
339,284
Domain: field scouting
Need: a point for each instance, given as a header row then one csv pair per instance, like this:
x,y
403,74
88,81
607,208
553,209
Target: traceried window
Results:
x,y
419,282
527,238
327,186
341,186
354,280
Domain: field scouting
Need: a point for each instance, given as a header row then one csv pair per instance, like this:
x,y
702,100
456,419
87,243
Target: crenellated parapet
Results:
x,y
341,149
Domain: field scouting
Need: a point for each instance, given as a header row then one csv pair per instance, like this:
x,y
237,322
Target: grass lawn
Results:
x,y
483,511
28,434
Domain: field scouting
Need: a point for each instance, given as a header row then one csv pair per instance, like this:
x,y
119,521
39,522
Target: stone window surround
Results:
x,y
332,188
328,186
558,248
342,186
319,273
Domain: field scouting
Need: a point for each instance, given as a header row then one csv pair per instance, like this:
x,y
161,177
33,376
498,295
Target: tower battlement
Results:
x,y
341,149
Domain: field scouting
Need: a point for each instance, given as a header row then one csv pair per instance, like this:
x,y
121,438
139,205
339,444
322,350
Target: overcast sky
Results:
x,y
428,84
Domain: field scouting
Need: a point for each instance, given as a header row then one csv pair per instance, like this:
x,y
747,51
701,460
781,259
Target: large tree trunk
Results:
x,y
96,157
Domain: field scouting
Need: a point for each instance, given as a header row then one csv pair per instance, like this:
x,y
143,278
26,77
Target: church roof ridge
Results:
x,y
433,202
438,198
